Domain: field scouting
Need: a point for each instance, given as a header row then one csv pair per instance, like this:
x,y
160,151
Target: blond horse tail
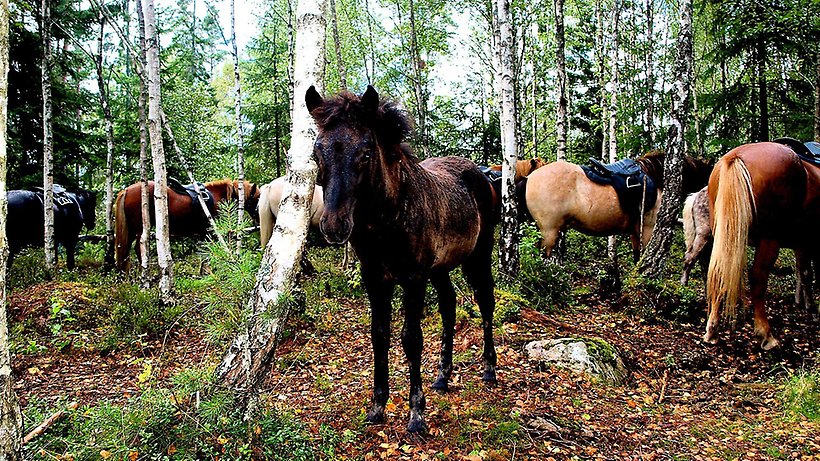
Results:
x,y
266,217
733,214
121,243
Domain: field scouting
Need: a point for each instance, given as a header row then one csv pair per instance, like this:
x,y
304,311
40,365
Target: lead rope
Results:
x,y
643,206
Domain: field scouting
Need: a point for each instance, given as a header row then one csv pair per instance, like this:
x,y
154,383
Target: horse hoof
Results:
x,y
375,416
416,424
710,339
489,377
769,343
441,385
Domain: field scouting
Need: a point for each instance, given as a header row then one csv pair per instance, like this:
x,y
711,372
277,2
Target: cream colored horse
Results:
x,y
270,196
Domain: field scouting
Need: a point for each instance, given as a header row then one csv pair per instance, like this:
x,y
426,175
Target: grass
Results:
x,y
801,395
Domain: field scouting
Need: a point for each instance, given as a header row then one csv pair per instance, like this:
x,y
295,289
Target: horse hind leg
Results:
x,y
765,257
692,256
447,310
413,342
479,275
803,291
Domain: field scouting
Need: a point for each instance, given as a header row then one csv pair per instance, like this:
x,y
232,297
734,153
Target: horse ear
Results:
x,y
370,99
313,99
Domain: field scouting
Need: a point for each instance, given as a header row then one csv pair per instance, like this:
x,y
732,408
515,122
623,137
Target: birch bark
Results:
x,y
508,246
11,419
48,140
109,152
240,146
145,203
612,241
250,356
560,59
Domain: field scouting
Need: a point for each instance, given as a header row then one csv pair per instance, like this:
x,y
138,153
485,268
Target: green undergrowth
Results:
x,y
181,422
654,298
801,395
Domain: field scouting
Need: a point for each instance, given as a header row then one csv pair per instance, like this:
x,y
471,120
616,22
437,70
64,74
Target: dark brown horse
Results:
x,y
761,194
408,222
185,218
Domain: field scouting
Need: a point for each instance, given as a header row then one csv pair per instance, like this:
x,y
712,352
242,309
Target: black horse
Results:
x,y
25,225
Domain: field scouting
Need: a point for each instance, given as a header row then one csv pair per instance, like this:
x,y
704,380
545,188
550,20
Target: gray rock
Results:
x,y
591,356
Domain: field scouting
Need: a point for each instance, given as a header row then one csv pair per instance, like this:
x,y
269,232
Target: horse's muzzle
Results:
x,y
336,229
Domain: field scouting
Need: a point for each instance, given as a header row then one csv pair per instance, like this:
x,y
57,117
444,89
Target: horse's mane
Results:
x,y
390,123
652,165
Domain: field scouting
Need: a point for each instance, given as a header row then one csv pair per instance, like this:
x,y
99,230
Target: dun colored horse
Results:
x,y
270,195
761,194
185,216
25,226
408,222
560,196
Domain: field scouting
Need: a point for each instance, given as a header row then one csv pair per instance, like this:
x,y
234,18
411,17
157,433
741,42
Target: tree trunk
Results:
x,y
600,57
249,359
145,204
371,73
418,85
649,65
653,261
337,46
561,120
612,241
11,419
763,91
817,101
48,141
109,152
508,246
166,264
240,146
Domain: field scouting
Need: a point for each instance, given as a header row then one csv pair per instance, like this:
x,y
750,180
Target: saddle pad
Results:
x,y
628,180
808,151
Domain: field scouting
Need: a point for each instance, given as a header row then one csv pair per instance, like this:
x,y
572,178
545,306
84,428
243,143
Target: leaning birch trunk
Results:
x,y
166,263
508,247
561,120
240,147
11,419
48,142
109,152
612,241
654,258
250,356
145,204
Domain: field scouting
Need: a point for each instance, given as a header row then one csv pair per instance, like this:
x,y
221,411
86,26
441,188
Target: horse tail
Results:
x,y
733,214
689,221
266,217
121,244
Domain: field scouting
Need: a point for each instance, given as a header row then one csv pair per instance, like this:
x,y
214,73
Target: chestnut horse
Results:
x,y
269,197
761,194
185,218
523,167
560,196
408,222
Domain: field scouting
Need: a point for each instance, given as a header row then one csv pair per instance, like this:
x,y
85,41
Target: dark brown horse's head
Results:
x,y
357,135
695,173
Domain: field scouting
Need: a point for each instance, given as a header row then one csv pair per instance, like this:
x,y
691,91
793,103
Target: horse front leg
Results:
x,y
447,310
380,294
413,342
70,248
765,257
479,275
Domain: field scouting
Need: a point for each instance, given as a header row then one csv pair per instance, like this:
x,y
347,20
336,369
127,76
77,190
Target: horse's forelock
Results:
x,y
390,122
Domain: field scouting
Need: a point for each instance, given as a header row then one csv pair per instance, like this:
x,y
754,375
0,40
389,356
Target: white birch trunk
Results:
x,y
612,241
166,264
109,153
48,141
240,146
508,247
600,57
250,356
11,420
649,64
561,120
337,46
145,201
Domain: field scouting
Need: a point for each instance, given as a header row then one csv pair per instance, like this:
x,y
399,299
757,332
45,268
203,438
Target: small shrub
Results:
x,y
650,298
544,282
801,395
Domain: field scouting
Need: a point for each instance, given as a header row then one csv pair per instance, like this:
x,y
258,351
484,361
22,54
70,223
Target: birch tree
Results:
x,y
250,356
649,64
653,261
612,241
109,145
166,267
508,247
48,140
145,204
11,419
817,100
560,61
337,46
240,147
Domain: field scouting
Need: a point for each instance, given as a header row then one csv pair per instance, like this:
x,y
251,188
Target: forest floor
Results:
x,y
683,399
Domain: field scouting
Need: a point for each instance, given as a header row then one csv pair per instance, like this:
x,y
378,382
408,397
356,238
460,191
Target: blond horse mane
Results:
x,y
732,217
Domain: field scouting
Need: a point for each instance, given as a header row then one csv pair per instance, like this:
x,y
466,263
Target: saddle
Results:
x,y
190,191
808,152
629,182
60,194
493,176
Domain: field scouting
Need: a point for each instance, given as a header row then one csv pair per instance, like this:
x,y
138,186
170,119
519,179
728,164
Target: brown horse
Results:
x,y
762,194
523,167
560,196
185,217
408,222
